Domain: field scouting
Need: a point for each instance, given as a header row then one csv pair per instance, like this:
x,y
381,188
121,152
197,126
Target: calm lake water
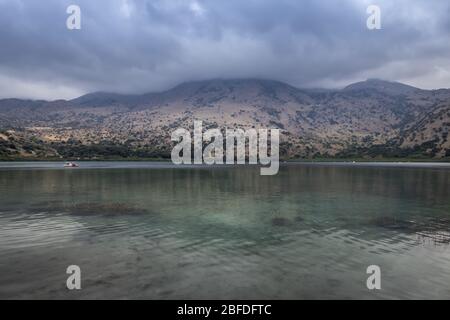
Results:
x,y
155,231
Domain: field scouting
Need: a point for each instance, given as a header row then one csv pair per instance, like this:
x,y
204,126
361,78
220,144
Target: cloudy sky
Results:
x,y
133,46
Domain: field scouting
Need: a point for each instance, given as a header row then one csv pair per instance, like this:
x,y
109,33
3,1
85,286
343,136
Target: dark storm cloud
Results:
x,y
136,46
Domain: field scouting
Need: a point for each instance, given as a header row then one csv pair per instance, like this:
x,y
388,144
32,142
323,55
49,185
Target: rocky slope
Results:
x,y
372,118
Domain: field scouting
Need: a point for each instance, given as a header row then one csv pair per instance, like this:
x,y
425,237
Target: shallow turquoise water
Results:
x,y
155,231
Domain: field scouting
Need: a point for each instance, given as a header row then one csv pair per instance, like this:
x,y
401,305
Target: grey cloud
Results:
x,y
137,46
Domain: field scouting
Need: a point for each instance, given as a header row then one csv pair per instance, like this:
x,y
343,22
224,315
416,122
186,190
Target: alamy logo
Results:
x,y
235,142
73,21
74,280
374,280
374,20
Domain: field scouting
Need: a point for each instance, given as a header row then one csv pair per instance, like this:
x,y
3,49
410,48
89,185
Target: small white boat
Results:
x,y
70,165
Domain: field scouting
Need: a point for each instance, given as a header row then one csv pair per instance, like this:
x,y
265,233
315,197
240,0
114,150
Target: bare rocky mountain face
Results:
x,y
370,119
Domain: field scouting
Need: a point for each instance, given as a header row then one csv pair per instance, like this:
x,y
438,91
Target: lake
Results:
x,y
149,230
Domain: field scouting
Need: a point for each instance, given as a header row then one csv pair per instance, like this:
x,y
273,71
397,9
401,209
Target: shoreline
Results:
x,y
56,165
319,160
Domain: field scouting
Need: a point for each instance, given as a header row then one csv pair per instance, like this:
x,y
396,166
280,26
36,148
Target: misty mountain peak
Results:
x,y
389,87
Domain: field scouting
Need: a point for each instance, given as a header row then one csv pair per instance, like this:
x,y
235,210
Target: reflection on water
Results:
x,y
156,231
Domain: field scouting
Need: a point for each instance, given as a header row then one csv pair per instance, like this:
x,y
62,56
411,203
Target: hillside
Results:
x,y
373,119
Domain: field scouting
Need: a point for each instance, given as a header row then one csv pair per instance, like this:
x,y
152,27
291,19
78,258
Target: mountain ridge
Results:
x,y
209,81
372,118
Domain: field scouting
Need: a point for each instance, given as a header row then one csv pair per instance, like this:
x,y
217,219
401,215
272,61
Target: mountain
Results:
x,y
394,88
373,119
